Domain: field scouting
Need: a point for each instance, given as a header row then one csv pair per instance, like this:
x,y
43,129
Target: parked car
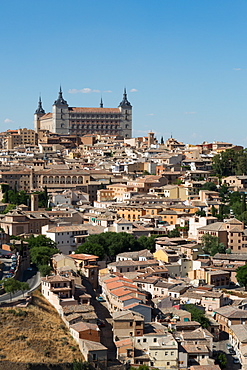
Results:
x,y
236,360
228,346
231,351
100,299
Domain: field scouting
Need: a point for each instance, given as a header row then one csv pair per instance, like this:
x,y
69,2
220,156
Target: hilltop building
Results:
x,y
66,120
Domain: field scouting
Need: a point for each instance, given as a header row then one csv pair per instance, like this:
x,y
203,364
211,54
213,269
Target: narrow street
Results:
x,y
222,347
106,333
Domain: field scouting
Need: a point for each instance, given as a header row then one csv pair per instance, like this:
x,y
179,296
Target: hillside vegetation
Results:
x,y
35,334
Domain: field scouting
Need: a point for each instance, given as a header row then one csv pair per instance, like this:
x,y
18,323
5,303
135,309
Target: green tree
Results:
x,y
211,186
91,248
162,140
11,286
243,217
223,192
197,315
241,276
24,287
201,213
213,211
145,242
42,255
225,163
44,270
243,203
9,208
41,240
111,243
222,360
230,162
211,245
174,233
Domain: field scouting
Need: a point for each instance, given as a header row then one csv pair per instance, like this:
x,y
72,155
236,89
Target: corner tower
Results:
x,y
37,115
126,116
60,115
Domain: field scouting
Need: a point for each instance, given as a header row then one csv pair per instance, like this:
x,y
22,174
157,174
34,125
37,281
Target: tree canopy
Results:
x,y
197,315
209,186
230,162
211,245
41,251
241,276
221,360
14,197
12,285
111,243
41,240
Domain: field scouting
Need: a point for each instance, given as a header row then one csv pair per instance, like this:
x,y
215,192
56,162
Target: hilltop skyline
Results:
x,y
183,63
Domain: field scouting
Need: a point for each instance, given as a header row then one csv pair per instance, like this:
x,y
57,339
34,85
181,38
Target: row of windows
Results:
x,y
84,116
89,126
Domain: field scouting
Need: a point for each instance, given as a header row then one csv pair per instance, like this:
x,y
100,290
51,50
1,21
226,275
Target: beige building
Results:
x,y
174,192
235,183
231,233
238,339
127,324
23,136
18,222
59,291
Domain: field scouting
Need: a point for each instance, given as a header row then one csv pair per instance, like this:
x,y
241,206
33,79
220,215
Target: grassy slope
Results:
x,y
35,334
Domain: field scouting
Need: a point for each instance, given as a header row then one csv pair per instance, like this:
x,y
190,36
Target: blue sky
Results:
x,y
184,62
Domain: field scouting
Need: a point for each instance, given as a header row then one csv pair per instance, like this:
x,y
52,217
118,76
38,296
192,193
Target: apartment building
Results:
x,y
22,136
127,324
231,233
58,290
229,316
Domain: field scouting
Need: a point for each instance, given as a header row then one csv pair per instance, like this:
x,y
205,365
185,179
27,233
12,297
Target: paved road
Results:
x,y
221,346
31,277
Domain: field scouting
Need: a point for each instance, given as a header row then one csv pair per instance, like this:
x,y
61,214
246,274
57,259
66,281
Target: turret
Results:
x,y
125,103
126,112
60,115
38,113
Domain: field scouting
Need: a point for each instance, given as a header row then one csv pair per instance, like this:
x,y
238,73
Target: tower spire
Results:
x,y
40,109
125,102
101,103
60,100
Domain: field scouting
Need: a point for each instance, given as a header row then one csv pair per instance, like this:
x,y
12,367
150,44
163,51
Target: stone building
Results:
x,y
65,120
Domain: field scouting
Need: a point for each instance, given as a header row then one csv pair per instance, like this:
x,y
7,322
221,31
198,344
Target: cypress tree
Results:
x,y
243,204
